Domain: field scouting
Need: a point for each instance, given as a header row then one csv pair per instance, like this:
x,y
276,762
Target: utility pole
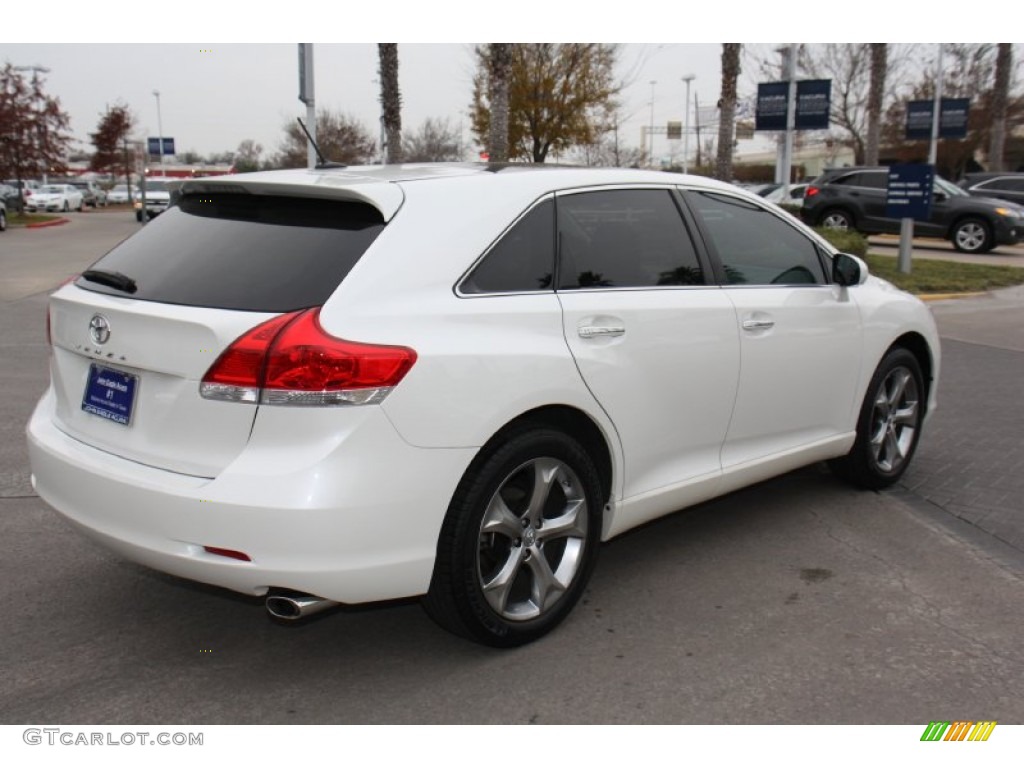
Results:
x,y
306,96
686,124
160,130
650,134
933,149
789,59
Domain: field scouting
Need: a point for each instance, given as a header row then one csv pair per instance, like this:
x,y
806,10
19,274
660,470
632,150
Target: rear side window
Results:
x,y
626,238
242,251
522,260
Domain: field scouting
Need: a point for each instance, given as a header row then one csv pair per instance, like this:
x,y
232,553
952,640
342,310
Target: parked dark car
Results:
x,y
1006,185
854,198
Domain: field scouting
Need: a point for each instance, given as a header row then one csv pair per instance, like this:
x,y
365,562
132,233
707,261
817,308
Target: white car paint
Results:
x,y
55,197
347,502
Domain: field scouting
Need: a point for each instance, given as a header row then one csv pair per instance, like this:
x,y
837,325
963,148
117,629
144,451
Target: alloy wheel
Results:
x,y
532,539
894,420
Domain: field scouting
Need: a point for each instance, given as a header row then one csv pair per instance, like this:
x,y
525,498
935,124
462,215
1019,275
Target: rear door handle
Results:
x,y
590,331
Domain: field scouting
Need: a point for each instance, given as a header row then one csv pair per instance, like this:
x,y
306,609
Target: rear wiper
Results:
x,y
111,279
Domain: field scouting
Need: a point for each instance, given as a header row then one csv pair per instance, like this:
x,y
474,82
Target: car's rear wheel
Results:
x,y
972,236
3,221
837,218
519,541
889,424
67,206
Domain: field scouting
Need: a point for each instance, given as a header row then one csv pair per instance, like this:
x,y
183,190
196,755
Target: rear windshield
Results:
x,y
241,251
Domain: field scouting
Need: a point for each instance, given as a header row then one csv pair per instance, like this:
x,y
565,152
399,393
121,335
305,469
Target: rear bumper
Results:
x,y
353,520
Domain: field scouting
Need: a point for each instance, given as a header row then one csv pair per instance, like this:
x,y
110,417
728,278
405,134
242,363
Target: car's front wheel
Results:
x,y
889,424
3,221
67,206
519,541
973,236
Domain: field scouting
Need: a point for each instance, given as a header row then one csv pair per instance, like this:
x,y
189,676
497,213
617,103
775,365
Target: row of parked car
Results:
x,y
63,195
985,210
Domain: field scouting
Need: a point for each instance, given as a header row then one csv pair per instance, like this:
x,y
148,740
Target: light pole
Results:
x,y
160,130
650,133
686,123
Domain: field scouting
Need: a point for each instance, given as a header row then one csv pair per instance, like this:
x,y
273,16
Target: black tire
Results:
x,y
138,216
836,218
3,221
972,235
67,206
889,425
538,493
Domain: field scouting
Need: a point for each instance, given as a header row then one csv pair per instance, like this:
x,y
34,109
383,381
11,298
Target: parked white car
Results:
x,y
55,197
120,194
794,195
351,385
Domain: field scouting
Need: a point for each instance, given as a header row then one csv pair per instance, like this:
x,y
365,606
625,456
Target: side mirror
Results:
x,y
939,196
848,270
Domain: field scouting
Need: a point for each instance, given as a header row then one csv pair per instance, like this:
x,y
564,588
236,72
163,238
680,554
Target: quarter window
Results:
x,y
754,245
522,260
627,238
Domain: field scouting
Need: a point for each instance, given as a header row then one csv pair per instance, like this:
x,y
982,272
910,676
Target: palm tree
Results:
x,y
500,76
727,107
1000,97
391,101
876,91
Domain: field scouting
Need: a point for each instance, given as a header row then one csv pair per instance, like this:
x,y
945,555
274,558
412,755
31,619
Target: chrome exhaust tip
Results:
x,y
294,606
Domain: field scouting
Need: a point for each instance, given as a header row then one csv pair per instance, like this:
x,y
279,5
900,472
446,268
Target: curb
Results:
x,y
946,296
41,224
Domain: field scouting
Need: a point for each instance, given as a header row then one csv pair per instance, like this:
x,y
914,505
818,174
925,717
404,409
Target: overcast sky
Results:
x,y
214,94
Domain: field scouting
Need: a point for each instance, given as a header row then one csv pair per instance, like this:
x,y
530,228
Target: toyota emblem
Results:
x,y
99,329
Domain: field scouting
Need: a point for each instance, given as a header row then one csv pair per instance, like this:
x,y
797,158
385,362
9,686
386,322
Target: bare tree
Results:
x,y
341,138
1000,100
727,109
33,127
435,141
500,61
876,94
391,100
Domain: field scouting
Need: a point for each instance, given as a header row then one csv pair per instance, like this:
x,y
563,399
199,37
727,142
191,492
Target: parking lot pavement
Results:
x,y
971,460
943,250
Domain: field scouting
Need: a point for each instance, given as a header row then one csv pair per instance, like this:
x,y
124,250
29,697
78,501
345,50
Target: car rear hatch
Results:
x,y
134,335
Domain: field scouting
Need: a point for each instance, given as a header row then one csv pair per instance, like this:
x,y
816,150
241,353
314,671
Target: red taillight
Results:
x,y
811,192
291,360
232,553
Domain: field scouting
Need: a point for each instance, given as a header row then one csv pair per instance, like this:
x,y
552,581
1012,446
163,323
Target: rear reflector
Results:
x,y
232,553
292,360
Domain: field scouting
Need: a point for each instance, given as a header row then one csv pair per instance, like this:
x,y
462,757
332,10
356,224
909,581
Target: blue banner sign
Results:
x,y
909,193
813,101
771,107
952,119
153,146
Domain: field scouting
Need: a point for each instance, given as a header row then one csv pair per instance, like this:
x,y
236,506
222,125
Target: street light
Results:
x,y
650,134
686,122
160,130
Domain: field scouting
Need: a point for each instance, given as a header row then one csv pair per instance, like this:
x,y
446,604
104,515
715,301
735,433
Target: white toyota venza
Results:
x,y
356,384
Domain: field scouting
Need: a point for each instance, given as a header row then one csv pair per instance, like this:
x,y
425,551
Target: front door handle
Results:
x,y
761,324
590,331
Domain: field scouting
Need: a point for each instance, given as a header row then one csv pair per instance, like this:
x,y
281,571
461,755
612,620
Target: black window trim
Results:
x,y
688,225
457,288
824,254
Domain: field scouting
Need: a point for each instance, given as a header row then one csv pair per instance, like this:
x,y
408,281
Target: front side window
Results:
x,y
625,238
523,260
755,246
